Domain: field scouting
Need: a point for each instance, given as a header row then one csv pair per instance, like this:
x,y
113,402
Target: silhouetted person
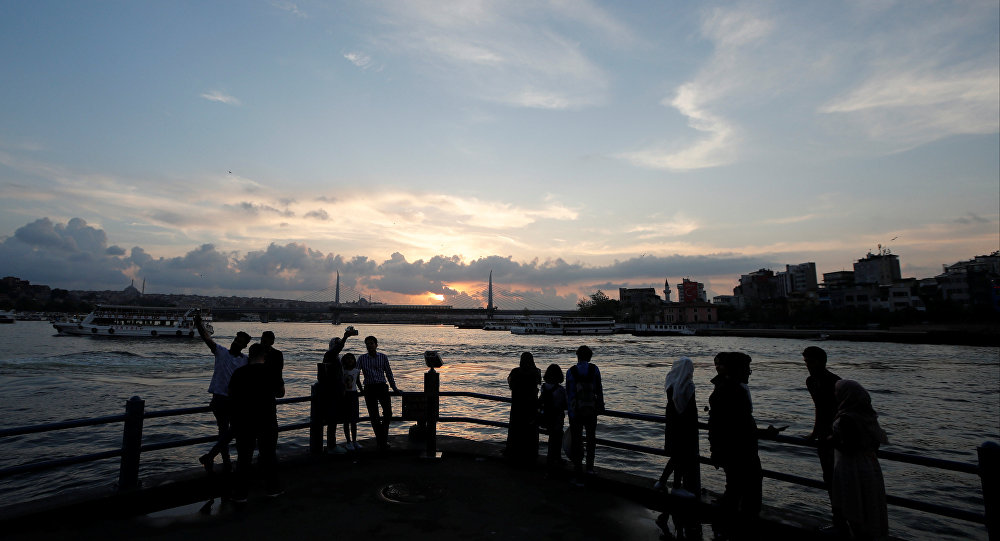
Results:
x,y
331,383
522,433
681,444
226,362
586,401
273,358
732,434
821,383
252,391
858,485
377,380
552,404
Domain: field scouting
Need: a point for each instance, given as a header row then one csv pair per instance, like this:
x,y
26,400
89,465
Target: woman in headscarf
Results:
x,y
522,434
858,487
681,439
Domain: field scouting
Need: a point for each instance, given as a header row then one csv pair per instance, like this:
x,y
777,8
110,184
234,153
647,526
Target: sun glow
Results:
x,y
435,297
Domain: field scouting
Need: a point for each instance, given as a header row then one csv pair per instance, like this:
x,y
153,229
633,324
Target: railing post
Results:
x,y
128,473
989,473
432,390
315,420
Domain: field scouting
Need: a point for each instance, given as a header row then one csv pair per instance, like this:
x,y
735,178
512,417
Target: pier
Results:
x,y
432,487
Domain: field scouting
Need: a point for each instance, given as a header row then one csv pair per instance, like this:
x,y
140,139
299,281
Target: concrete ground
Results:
x,y
469,492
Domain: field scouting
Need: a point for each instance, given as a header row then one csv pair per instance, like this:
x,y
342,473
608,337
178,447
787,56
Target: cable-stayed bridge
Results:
x,y
485,295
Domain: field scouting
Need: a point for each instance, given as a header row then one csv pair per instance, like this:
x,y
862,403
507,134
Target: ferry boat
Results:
x,y
136,322
533,325
582,325
661,329
6,317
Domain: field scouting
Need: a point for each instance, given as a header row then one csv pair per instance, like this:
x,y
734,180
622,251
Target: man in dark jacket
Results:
x,y
732,435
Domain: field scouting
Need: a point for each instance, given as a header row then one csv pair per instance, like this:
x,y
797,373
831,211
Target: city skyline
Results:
x,y
256,149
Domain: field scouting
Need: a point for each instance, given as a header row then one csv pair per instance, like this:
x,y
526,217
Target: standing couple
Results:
x,y
337,377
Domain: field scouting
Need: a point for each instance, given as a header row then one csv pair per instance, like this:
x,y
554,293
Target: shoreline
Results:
x,y
967,336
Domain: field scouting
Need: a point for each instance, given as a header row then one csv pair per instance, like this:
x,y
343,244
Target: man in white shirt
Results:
x,y
226,362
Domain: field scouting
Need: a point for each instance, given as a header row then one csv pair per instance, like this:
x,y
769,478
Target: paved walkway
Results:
x,y
382,496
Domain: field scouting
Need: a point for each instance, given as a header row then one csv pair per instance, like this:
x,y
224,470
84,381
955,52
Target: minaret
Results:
x,y
666,290
336,298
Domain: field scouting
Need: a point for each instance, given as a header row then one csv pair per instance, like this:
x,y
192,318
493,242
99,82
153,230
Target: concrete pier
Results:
x,y
467,493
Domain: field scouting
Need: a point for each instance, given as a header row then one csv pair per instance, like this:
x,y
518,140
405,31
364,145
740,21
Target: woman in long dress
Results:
x,y
681,442
522,435
858,486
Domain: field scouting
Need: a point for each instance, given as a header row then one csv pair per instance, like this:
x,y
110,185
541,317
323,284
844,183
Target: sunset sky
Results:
x,y
257,147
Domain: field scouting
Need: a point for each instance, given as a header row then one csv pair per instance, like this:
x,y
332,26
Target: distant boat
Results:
x,y
136,322
533,325
661,329
582,326
6,317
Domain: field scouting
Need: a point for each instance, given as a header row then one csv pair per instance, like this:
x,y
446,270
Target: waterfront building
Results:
x,y
690,291
800,278
688,313
974,282
881,268
728,300
640,305
760,286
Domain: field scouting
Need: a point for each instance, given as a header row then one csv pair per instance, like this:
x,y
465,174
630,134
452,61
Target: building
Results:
x,y
693,313
690,291
971,283
838,279
728,300
800,278
760,286
881,268
640,305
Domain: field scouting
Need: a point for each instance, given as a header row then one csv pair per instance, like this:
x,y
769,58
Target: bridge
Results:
x,y
476,305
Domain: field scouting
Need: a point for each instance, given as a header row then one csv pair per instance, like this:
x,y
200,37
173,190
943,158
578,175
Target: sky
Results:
x,y
259,147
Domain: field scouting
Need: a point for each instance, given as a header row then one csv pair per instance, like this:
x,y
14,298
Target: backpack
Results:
x,y
585,396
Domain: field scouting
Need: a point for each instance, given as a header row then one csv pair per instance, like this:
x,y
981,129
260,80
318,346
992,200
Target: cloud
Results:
x,y
76,256
527,54
221,97
360,60
918,106
971,218
734,35
290,7
318,214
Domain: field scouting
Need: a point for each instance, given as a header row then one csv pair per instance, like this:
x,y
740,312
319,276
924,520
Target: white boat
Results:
x,y
6,317
582,325
533,325
661,329
136,322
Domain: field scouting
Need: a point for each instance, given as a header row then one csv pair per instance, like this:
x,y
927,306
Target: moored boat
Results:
x,y
6,317
661,329
533,325
136,322
582,325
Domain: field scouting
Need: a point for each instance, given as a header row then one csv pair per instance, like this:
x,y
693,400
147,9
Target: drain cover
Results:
x,y
410,493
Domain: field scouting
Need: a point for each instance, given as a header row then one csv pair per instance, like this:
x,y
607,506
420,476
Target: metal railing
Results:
x,y
988,467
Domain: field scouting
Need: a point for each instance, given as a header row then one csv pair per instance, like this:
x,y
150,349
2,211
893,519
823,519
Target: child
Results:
x,y
552,407
350,417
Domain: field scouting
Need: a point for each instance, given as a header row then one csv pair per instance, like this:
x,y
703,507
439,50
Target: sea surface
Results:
x,y
937,401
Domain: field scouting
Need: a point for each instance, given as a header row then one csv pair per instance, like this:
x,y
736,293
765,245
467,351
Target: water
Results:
x,y
939,401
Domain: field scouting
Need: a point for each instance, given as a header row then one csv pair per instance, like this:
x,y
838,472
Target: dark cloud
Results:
x,y
257,208
318,214
76,256
972,218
